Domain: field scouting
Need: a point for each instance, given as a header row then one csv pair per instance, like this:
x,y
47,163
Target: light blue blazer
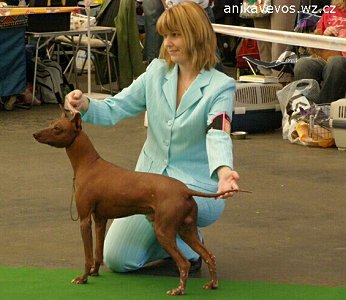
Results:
x,y
177,143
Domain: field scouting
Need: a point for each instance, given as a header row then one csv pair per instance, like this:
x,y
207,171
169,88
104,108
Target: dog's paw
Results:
x,y
176,292
94,273
211,285
79,280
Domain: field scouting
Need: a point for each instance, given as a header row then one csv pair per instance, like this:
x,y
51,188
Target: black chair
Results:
x,y
284,64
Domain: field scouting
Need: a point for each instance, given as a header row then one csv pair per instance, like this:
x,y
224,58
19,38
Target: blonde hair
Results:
x,y
191,21
339,3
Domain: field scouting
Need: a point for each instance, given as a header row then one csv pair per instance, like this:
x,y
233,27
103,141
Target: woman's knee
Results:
x,y
126,243
336,65
301,68
209,210
114,262
115,254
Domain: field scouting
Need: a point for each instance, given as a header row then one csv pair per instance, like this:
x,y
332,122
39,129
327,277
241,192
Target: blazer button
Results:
x,y
169,123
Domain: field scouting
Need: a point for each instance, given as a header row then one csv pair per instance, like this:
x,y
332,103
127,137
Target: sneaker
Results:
x,y
195,265
10,103
194,268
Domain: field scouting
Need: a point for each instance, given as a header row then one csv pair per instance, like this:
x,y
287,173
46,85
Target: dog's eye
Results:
x,y
58,129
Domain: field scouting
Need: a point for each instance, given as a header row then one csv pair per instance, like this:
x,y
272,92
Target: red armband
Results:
x,y
221,122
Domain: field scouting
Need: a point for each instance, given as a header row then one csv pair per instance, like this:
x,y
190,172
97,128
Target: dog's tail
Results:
x,y
214,195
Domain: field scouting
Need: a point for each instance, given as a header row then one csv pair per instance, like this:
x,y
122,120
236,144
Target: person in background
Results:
x,y
205,4
329,72
152,43
152,11
186,100
278,20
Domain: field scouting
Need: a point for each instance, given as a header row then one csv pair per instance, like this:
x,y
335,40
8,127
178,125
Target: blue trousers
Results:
x,y
152,11
130,242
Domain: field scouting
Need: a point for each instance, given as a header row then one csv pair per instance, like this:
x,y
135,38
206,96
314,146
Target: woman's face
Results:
x,y
175,45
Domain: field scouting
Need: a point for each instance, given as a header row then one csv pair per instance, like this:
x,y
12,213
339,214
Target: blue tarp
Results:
x,y
12,61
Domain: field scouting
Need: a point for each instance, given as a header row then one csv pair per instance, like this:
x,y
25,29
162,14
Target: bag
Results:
x,y
297,94
247,48
52,86
304,122
251,9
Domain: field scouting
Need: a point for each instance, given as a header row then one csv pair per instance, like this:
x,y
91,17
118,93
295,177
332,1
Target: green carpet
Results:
x,y
32,283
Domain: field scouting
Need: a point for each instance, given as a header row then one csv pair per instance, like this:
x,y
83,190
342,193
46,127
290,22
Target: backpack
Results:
x,y
50,82
247,47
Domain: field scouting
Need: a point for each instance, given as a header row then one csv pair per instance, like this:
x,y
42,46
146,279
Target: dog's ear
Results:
x,y
63,114
77,120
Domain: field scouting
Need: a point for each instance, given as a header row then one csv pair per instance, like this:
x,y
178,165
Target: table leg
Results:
x,y
35,71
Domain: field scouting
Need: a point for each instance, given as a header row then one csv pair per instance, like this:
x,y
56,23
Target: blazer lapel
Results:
x,y
170,87
194,93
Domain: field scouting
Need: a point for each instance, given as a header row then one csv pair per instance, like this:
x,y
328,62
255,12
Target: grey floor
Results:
x,y
290,229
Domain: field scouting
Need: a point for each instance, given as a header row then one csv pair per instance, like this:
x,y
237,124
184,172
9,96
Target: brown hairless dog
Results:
x,y
106,191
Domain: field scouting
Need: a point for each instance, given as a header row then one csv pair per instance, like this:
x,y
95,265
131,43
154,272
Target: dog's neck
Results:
x,y
81,152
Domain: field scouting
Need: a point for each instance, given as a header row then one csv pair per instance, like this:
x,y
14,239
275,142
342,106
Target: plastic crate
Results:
x,y
338,122
256,107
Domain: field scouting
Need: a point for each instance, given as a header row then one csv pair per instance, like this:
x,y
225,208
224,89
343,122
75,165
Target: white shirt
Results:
x,y
202,3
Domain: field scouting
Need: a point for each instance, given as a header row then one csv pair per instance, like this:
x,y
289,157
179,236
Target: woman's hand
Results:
x,y
76,101
332,31
227,181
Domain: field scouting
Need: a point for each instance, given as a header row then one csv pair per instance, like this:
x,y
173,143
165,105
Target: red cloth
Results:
x,y
332,16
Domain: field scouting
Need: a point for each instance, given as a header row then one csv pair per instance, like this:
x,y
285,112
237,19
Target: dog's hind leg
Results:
x,y
190,237
168,242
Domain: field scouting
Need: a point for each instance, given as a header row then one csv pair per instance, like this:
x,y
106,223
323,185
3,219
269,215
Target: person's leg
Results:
x,y
334,80
283,20
210,14
152,11
129,243
309,68
264,48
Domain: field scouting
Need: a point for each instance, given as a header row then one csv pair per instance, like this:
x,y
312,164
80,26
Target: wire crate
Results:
x,y
319,127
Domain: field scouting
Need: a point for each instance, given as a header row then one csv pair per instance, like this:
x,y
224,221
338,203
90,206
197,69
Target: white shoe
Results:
x,y
10,103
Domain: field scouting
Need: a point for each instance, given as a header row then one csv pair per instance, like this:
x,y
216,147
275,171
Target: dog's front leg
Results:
x,y
100,231
85,227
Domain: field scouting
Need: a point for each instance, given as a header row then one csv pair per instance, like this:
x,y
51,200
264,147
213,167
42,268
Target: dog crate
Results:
x,y
338,122
256,107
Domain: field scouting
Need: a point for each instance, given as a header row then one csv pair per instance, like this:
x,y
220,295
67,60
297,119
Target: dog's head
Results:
x,y
61,132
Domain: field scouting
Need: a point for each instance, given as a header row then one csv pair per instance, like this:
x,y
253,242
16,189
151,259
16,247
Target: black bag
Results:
x,y
52,21
52,85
